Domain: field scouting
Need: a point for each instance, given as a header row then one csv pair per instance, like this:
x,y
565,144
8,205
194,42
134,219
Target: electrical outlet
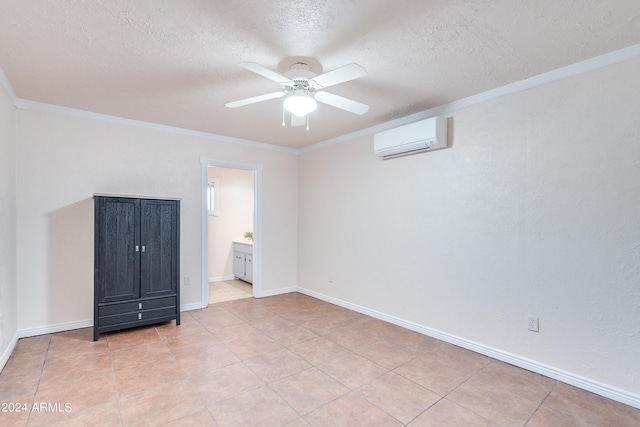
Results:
x,y
330,278
533,323
187,280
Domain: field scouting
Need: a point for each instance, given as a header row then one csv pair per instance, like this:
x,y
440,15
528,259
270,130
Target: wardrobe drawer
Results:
x,y
141,316
136,306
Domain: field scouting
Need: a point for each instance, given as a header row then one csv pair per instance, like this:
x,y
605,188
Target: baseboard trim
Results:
x,y
51,329
575,380
4,358
192,306
220,279
280,291
68,326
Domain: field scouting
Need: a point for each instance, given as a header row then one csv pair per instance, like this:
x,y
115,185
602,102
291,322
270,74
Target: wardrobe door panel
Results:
x,y
159,269
117,252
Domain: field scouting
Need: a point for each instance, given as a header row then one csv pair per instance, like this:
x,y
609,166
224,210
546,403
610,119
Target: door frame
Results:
x,y
257,223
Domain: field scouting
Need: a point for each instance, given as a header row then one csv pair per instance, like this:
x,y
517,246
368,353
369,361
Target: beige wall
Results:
x,y
8,279
534,210
235,199
63,160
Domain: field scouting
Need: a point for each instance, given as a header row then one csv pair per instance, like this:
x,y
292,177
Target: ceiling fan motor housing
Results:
x,y
300,70
300,75
300,85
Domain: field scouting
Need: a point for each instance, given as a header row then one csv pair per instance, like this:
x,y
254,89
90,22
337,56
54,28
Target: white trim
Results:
x,y
69,326
256,279
6,84
52,329
579,381
215,184
25,104
231,165
4,358
280,291
189,307
204,231
257,223
611,58
221,279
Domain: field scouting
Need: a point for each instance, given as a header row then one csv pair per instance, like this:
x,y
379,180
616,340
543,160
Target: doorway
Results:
x,y
231,231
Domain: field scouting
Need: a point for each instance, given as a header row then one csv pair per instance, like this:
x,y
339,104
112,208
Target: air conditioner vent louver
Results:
x,y
429,134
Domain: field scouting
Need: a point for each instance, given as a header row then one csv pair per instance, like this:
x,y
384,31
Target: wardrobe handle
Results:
x,y
143,248
137,248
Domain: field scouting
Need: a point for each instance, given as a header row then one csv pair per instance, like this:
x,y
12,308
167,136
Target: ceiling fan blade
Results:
x,y
298,121
254,99
340,102
265,72
339,75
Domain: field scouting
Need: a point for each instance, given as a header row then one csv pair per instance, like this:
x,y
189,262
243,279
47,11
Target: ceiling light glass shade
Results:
x,y
300,104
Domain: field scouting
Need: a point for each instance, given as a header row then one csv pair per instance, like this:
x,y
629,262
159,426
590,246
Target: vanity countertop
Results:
x,y
243,247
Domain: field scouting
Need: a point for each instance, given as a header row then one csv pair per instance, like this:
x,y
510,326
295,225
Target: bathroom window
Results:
x,y
212,196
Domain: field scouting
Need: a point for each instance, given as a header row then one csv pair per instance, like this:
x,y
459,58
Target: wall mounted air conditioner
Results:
x,y
429,134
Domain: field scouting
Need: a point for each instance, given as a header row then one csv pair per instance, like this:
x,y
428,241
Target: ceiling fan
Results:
x,y
301,88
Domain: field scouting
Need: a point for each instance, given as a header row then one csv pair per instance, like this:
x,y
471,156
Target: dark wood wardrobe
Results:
x,y
136,262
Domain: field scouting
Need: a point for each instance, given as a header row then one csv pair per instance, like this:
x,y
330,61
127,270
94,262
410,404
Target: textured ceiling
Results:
x,y
174,62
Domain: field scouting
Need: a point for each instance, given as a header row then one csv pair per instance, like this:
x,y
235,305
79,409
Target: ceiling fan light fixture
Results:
x,y
300,103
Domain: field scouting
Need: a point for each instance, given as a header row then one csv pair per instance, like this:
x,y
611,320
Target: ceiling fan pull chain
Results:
x,y
307,121
283,115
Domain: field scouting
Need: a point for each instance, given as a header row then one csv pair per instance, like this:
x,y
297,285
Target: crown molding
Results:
x,y
591,64
605,60
4,82
24,104
231,165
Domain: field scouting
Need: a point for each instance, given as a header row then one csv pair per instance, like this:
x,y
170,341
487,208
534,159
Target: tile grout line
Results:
x,y
555,384
164,343
35,393
313,365
189,378
282,397
115,383
442,397
353,351
242,361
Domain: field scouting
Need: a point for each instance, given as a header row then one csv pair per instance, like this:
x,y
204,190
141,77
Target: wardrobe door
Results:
x,y
159,240
118,256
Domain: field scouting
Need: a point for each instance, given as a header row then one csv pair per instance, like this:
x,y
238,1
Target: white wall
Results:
x,y
534,210
235,209
8,280
63,160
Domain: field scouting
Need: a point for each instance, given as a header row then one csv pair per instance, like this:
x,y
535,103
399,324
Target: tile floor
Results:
x,y
288,360
229,290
